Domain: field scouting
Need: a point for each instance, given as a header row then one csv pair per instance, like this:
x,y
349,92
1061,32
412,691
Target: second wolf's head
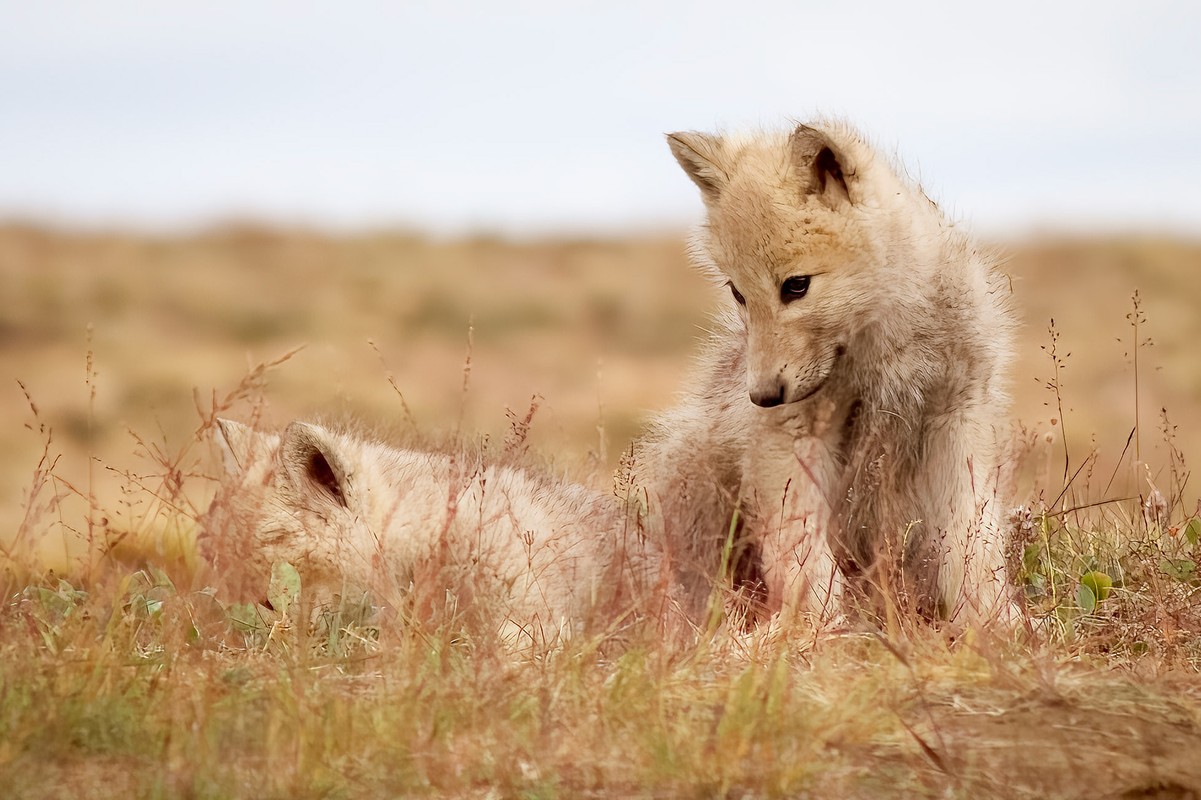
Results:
x,y
818,240
296,497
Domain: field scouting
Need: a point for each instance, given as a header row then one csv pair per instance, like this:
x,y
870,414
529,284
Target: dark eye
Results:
x,y
738,298
794,288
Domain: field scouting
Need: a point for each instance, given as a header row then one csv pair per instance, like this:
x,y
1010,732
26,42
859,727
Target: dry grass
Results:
x,y
119,678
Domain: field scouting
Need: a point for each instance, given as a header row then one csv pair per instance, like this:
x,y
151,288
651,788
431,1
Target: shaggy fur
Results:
x,y
529,557
849,403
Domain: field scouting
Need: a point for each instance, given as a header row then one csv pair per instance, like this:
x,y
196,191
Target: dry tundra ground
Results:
x,y
118,677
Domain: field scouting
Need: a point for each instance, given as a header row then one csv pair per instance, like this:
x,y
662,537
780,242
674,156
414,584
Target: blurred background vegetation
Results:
x,y
117,337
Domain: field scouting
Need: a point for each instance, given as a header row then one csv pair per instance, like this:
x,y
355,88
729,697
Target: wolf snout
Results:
x,y
768,393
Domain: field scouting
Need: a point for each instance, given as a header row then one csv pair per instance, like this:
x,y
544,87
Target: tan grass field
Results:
x,y
599,331
121,681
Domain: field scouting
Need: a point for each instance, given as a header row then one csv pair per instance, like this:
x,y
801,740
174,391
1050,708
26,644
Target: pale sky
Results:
x,y
536,117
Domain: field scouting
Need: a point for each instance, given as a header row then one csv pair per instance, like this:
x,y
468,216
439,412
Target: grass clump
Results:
x,y
132,670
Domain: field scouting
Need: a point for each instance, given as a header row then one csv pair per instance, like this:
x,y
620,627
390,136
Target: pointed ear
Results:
x,y
314,464
823,170
238,444
702,156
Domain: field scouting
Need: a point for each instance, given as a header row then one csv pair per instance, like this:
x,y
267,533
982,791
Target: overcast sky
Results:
x,y
529,117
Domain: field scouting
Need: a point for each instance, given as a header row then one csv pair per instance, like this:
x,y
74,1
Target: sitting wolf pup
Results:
x,y
525,556
850,402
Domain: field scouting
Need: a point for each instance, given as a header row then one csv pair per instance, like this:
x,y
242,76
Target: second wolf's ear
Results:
x,y
313,464
701,155
237,443
822,169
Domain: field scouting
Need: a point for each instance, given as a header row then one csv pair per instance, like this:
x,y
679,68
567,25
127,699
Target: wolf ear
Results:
x,y
822,169
237,443
701,156
313,463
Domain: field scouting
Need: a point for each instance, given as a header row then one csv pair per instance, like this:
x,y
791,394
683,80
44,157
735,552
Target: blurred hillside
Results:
x,y
600,331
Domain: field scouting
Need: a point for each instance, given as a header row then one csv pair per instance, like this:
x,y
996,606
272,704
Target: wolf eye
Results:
x,y
738,298
794,288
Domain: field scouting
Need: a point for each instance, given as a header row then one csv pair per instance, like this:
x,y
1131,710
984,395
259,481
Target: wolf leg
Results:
x,y
787,495
958,485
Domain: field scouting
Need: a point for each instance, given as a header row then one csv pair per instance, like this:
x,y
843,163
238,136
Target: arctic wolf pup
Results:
x,y
850,401
525,556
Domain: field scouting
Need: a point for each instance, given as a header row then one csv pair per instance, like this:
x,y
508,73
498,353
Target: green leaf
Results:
x,y
245,617
160,578
54,603
284,588
143,607
1085,599
1192,531
1180,569
1098,583
1032,556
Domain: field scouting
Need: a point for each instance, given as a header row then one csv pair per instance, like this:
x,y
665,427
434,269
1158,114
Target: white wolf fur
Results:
x,y
850,400
533,556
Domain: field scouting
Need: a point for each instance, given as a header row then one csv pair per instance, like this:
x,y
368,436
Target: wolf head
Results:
x,y
808,229
290,497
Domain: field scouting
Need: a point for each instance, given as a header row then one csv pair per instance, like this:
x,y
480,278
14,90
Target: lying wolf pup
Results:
x,y
526,556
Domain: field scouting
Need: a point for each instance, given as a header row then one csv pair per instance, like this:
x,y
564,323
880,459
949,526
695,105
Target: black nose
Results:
x,y
768,396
